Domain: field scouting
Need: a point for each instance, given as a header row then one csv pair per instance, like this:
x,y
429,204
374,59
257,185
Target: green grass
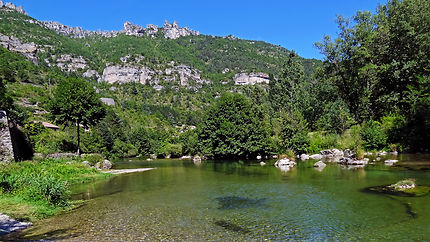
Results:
x,y
32,190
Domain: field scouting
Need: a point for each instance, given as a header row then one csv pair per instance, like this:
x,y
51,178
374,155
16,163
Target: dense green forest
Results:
x,y
371,92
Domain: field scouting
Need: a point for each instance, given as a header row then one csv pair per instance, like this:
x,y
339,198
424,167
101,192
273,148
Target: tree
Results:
x,y
233,128
294,131
283,92
75,102
376,56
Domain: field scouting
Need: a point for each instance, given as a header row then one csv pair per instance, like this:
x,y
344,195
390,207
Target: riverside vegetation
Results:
x,y
372,92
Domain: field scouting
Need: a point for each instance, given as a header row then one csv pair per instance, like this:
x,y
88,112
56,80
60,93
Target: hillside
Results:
x,y
215,58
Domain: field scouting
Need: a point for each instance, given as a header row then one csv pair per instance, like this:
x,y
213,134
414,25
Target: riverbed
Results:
x,y
181,200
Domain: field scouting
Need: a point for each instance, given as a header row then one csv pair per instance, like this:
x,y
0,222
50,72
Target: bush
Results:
x,y
374,137
320,141
294,132
93,158
50,189
175,150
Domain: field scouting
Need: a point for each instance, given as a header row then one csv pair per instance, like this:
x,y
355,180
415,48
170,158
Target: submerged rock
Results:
x,y
390,162
319,164
405,188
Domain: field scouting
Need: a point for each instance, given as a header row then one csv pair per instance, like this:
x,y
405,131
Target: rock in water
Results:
x,y
285,163
390,162
319,164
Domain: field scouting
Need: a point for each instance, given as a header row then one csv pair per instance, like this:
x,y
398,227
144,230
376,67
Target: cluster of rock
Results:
x,y
173,31
104,165
182,74
12,6
251,78
285,164
170,30
70,63
29,50
346,158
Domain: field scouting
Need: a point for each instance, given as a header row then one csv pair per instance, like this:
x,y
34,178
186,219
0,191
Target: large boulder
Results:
x,y
285,163
319,164
105,165
304,157
316,157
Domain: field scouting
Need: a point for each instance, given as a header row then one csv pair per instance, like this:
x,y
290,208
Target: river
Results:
x,y
244,201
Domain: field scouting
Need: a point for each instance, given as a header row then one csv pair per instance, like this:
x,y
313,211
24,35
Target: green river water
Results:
x,y
244,201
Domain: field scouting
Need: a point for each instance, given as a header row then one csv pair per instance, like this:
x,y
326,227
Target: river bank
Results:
x,y
33,190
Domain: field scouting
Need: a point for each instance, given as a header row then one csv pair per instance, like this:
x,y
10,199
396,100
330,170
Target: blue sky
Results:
x,y
295,25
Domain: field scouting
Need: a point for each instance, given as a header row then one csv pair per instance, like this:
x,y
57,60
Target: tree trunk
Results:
x,y
79,140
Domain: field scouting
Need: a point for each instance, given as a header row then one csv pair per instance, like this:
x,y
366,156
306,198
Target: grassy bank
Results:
x,y
32,190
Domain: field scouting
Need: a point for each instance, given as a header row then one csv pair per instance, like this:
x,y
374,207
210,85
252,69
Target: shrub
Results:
x,y
320,141
93,158
175,150
351,139
373,135
294,132
50,189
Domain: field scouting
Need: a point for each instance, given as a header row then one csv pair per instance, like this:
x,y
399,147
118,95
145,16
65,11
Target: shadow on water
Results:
x,y
59,234
236,202
231,226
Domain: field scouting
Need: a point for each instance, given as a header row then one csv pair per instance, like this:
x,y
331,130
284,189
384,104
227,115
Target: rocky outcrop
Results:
x,y
76,32
71,63
126,74
170,30
91,74
151,30
251,78
6,149
29,50
183,75
12,6
173,31
134,30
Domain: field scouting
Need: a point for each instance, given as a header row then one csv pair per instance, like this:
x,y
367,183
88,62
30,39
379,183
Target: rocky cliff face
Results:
x,y
71,63
173,31
14,44
170,30
180,75
13,7
251,78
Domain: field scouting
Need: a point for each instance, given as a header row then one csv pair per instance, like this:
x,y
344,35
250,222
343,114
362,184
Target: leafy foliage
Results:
x,y
76,103
233,128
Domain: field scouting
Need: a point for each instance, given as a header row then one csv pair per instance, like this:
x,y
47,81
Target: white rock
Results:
x,y
316,157
304,157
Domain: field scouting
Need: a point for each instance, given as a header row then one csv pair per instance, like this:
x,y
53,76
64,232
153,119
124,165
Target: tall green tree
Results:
x,y
76,103
284,92
376,56
233,128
